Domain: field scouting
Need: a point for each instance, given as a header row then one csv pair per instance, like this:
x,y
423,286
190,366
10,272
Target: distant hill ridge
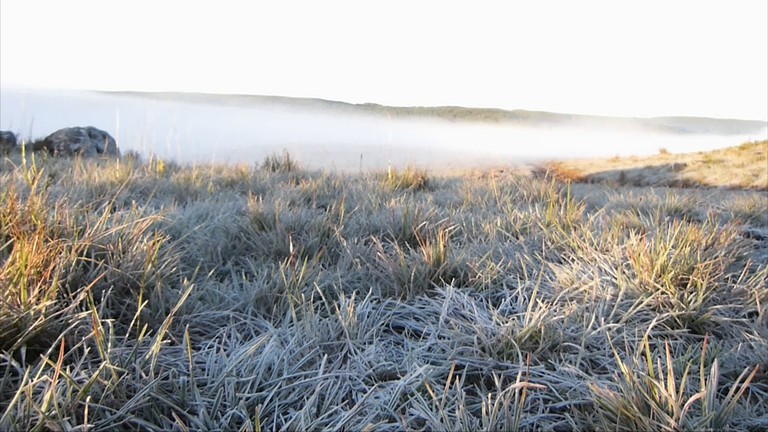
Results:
x,y
674,124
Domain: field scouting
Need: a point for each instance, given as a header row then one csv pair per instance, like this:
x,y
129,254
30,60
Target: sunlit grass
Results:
x,y
740,167
410,178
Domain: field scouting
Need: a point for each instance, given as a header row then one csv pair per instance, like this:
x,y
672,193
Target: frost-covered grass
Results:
x,y
147,295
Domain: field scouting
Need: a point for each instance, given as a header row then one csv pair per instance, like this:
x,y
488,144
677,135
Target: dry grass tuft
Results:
x,y
411,178
563,172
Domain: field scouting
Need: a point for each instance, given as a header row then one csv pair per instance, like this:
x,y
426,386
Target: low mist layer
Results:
x,y
205,128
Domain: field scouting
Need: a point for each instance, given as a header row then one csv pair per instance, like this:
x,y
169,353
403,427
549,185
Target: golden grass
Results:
x,y
741,167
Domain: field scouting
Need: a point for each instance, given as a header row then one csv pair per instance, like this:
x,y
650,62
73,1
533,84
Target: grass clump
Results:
x,y
657,394
411,178
279,163
143,294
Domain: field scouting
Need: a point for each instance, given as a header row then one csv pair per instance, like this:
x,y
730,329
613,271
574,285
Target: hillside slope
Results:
x,y
676,125
741,167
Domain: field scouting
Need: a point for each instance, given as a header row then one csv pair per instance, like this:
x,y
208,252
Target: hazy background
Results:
x,y
323,138
641,58
626,58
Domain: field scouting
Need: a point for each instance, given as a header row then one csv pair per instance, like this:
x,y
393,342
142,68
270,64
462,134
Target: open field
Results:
x,y
146,295
741,167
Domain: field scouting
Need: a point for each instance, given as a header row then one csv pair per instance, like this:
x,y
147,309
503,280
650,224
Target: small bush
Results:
x,y
564,173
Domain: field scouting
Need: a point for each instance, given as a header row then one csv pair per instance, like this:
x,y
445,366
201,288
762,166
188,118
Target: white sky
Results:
x,y
637,58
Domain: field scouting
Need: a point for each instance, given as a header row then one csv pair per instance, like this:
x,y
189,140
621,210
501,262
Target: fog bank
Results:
x,y
200,132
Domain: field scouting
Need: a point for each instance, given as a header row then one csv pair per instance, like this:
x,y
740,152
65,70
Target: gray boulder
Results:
x,y
8,141
81,141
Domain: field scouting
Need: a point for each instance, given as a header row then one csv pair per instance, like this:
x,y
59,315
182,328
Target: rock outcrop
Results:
x,y
81,141
8,141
